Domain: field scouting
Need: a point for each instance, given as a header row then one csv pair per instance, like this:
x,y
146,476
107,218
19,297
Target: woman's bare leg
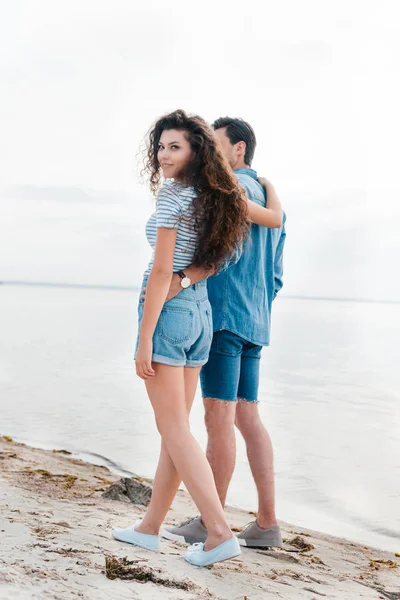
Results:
x,y
166,391
167,478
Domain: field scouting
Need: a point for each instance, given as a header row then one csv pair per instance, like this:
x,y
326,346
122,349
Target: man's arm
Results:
x,y
278,262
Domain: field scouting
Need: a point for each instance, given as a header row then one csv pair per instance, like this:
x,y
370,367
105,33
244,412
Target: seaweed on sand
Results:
x,y
122,568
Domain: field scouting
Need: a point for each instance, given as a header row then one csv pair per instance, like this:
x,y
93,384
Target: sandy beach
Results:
x,y
55,530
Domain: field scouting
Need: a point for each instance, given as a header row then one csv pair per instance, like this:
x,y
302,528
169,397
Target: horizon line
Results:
x,y
125,288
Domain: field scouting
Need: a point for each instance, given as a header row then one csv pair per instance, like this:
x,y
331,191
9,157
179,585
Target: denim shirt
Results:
x,y
241,296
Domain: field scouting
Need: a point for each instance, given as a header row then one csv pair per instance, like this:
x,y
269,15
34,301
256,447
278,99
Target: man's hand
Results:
x,y
174,289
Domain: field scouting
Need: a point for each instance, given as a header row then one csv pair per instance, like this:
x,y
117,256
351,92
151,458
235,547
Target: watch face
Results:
x,y
185,282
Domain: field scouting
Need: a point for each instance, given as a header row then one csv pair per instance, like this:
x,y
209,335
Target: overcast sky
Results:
x,y
81,82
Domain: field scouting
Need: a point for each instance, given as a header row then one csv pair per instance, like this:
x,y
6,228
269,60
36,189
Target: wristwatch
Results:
x,y
185,281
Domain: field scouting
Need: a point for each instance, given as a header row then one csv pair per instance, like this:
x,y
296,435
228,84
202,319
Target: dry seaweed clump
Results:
x,y
122,568
10,440
377,564
300,544
67,479
4,455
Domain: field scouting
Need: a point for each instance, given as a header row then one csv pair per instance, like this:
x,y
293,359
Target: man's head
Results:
x,y
238,141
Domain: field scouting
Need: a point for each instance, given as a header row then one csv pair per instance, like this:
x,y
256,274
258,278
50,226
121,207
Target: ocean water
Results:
x,y
330,398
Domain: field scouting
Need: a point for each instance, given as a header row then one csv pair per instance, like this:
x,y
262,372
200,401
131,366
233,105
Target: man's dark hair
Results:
x,y
238,130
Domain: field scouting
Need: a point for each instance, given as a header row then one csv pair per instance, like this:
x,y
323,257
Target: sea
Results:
x,y
329,397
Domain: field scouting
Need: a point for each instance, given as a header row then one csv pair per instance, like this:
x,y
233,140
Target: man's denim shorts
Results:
x,y
183,334
233,369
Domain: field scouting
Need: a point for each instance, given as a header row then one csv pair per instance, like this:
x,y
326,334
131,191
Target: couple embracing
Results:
x,y
217,236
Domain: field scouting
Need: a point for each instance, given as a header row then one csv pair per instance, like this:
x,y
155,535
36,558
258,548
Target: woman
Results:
x,y
200,219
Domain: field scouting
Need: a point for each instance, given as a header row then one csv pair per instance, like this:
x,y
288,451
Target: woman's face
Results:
x,y
174,153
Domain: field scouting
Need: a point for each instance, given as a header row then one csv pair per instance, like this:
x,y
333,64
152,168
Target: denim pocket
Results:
x,y
175,324
252,350
229,343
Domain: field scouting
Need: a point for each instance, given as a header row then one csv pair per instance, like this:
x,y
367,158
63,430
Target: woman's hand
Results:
x,y
143,359
263,181
270,216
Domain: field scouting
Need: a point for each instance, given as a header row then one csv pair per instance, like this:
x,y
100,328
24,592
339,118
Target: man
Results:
x,y
241,299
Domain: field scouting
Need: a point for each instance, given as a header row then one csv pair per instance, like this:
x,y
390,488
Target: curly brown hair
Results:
x,y
220,207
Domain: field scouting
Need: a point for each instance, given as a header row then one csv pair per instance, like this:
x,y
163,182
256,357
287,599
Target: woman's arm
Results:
x,y
156,293
195,274
272,215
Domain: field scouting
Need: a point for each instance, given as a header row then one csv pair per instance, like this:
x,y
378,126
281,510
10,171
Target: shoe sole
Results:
x,y
257,543
208,564
174,537
143,546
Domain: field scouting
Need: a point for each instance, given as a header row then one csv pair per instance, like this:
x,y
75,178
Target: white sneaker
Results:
x,y
143,540
196,555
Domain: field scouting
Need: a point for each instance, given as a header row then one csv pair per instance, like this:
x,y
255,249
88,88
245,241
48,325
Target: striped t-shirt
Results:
x,y
173,211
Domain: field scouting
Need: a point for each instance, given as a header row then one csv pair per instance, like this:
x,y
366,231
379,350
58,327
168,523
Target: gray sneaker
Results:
x,y
253,536
191,531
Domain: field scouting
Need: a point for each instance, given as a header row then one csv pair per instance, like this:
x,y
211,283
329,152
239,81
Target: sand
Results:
x,y
55,539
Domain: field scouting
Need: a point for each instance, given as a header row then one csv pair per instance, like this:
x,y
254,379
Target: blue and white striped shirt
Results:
x,y
173,211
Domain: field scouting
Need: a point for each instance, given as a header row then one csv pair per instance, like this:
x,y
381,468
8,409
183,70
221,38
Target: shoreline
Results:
x,y
117,469
56,526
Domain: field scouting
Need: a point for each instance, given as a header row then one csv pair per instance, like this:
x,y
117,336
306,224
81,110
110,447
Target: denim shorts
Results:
x,y
233,369
183,334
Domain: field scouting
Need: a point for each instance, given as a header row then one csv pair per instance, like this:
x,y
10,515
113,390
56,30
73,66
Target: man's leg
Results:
x,y
258,442
261,459
221,443
219,385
